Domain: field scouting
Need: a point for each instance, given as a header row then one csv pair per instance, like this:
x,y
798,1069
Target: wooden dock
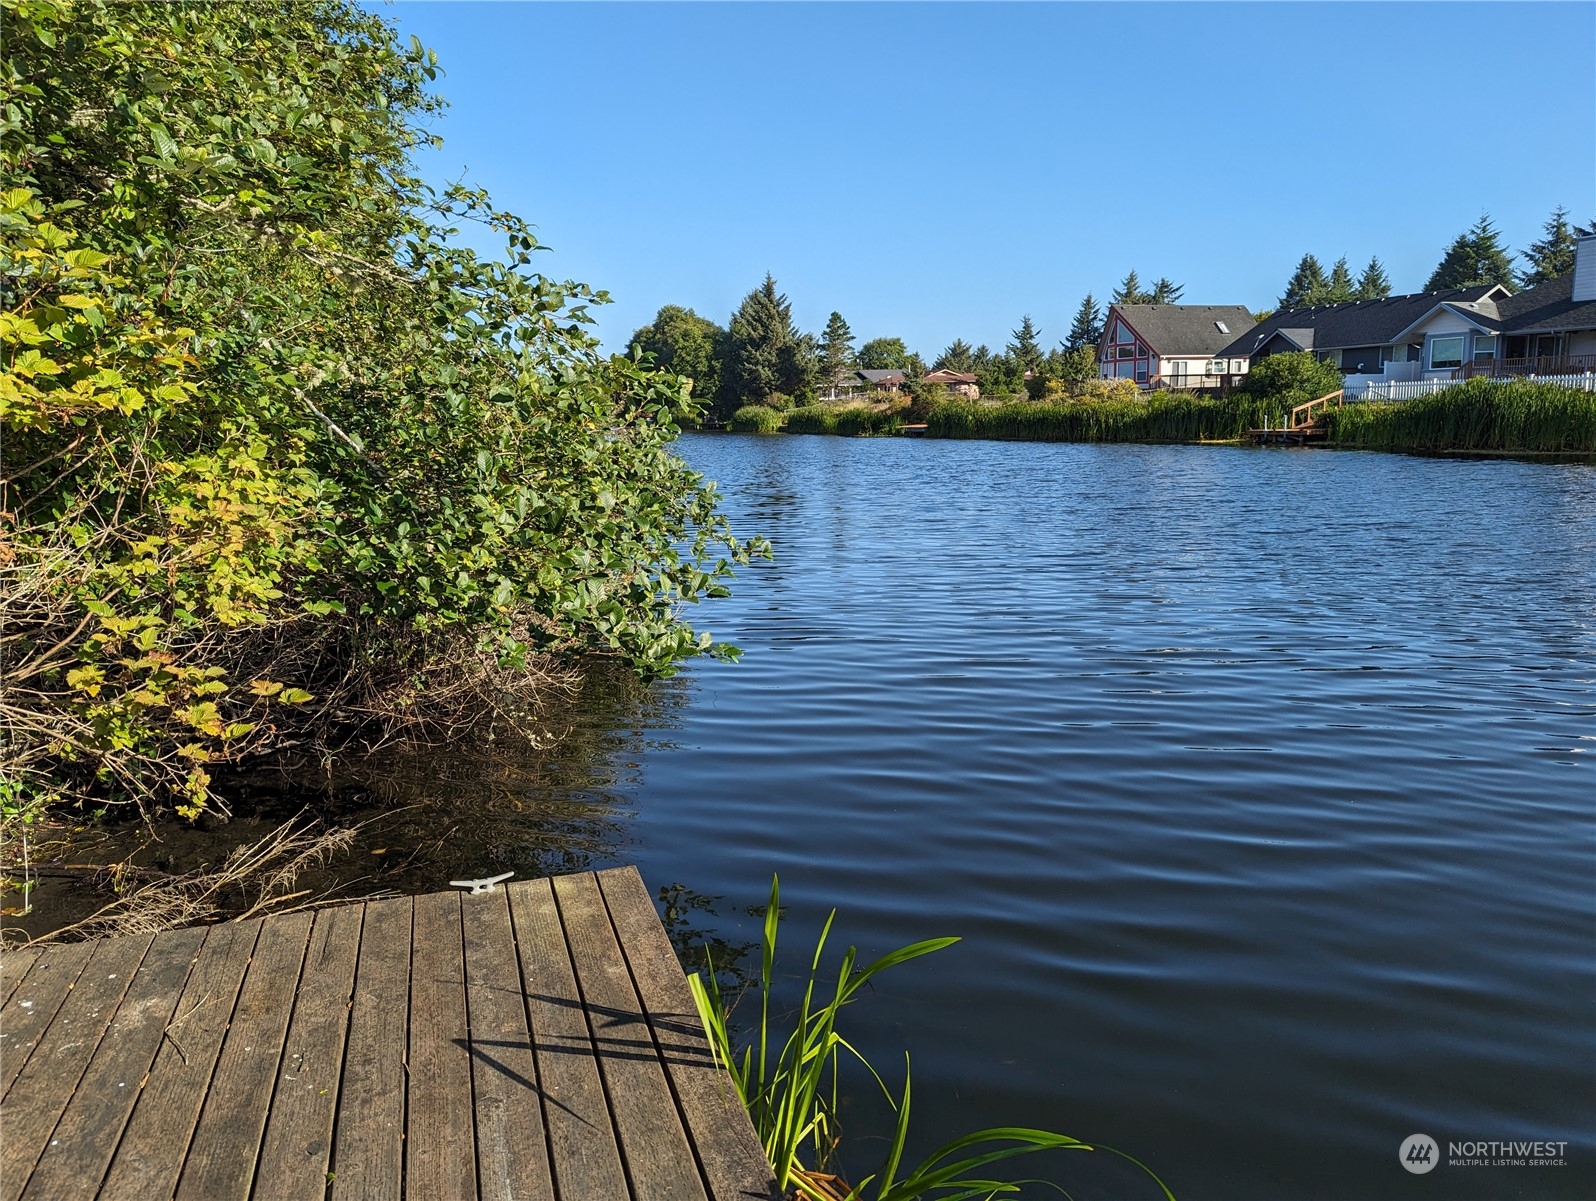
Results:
x,y
1300,435
536,1042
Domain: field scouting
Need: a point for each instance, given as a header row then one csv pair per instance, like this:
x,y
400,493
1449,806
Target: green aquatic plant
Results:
x,y
1160,417
756,419
790,1088
1480,414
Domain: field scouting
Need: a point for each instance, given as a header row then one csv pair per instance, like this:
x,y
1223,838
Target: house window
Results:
x,y
1125,352
1123,370
1141,371
1121,334
1177,371
1446,352
1484,348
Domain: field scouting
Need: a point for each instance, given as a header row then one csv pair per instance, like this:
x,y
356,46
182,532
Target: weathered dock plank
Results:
x,y
535,1043
732,1159
156,1141
658,1157
33,1005
82,1143
39,1095
512,1155
226,1144
586,1160
440,1153
369,1149
14,966
297,1145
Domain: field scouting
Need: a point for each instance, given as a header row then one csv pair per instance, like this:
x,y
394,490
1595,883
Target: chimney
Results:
x,y
1585,268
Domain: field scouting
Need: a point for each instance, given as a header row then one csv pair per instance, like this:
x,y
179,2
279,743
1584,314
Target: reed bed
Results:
x,y
1481,414
756,419
849,422
1159,418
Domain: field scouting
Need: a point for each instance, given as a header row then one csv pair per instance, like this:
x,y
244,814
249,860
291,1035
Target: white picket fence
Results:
x,y
1408,389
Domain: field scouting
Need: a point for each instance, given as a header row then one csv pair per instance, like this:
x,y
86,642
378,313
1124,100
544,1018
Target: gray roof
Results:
x,y
877,375
1547,309
1185,328
1361,322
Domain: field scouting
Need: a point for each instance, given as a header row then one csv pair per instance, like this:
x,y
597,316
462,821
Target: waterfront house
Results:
x,y
1383,338
1450,334
1546,330
1170,345
881,380
960,382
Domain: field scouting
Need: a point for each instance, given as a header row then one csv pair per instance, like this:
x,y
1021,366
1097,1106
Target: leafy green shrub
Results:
x,y
283,460
756,419
1479,414
1287,380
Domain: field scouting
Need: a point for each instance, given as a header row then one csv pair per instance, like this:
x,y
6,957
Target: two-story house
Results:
x,y
1170,345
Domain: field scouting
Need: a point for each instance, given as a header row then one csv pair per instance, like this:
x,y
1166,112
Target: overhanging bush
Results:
x,y
283,461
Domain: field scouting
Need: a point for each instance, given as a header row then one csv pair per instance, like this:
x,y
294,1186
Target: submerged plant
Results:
x,y
791,1090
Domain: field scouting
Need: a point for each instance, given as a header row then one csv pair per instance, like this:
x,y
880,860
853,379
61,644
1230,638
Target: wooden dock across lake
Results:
x,y
535,1042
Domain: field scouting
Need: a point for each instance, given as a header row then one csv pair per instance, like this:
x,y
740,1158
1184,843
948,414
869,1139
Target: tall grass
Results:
x,y
848,421
756,419
1480,414
1159,418
790,1089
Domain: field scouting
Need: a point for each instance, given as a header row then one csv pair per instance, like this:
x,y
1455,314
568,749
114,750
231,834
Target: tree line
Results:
x,y
761,357
1476,256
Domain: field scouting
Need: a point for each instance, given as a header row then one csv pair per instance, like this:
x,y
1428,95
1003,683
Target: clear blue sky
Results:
x,y
935,171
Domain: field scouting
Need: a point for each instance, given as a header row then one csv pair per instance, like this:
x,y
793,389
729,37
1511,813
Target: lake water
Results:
x,y
1258,784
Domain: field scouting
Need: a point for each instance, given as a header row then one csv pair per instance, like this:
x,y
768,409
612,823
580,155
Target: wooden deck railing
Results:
x,y
1302,414
1572,364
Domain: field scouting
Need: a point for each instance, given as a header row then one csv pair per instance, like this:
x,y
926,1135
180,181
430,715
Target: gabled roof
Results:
x,y
1549,308
1185,329
1365,322
946,375
1302,339
878,375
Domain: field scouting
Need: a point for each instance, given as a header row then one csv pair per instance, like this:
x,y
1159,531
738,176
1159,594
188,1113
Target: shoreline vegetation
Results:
x,y
290,471
1479,416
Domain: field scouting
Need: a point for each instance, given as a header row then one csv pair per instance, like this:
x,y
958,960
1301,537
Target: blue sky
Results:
x,y
935,171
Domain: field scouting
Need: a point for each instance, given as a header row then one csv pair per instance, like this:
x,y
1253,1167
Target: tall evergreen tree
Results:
x,y
763,340
1026,348
1307,285
836,349
1553,256
1373,283
1477,256
1339,288
1166,291
957,357
1130,291
1087,329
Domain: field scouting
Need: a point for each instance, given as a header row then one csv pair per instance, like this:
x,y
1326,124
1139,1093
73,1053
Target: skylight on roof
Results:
x,y
1223,328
